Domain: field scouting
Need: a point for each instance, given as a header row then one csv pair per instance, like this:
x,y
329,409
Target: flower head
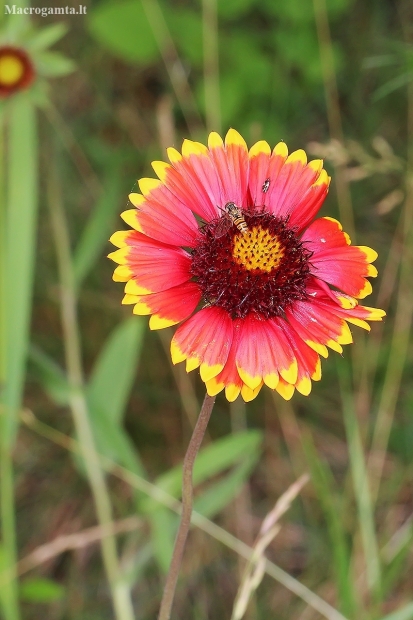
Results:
x,y
26,61
225,241
16,70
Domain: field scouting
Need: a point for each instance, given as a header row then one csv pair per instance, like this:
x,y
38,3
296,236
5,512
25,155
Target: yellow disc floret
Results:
x,y
258,249
11,69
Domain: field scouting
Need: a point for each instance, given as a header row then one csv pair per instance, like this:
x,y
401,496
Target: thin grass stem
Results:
x,y
174,67
333,110
361,491
186,514
402,327
211,65
19,230
120,595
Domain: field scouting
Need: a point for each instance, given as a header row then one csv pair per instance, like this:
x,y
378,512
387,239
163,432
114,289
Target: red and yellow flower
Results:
x,y
259,301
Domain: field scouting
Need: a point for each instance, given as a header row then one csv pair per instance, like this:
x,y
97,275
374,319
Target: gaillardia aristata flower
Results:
x,y
225,242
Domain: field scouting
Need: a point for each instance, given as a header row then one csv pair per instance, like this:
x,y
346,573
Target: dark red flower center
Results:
x,y
16,70
253,263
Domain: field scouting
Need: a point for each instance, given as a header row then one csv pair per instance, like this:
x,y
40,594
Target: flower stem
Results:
x,y
187,492
120,595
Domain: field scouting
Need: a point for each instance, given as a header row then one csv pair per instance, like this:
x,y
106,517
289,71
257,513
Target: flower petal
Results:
x,y
232,166
265,166
335,261
154,266
309,366
162,215
168,307
264,354
310,202
204,340
294,181
228,378
194,180
319,326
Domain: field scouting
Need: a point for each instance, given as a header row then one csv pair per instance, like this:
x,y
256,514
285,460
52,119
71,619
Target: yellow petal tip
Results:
x,y
161,169
281,150
176,354
214,140
298,156
148,185
158,322
233,137
260,147
249,380
209,372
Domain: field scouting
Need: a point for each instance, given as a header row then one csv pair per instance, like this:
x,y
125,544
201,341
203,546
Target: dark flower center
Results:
x,y
262,267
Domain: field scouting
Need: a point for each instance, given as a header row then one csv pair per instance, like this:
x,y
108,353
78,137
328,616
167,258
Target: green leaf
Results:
x,y
114,443
40,590
406,613
108,391
41,39
231,9
221,493
383,60
115,369
8,590
21,220
392,85
54,64
324,483
244,447
50,376
361,486
123,28
186,29
211,460
164,525
97,229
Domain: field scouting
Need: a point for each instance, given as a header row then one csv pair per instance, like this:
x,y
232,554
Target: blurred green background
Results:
x,y
332,76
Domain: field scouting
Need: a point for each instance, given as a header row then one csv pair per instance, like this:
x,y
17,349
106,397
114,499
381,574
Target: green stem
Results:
x,y
211,65
18,230
361,489
120,594
333,110
187,493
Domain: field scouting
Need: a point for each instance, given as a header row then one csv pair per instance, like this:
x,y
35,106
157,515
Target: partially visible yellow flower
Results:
x,y
25,59
16,70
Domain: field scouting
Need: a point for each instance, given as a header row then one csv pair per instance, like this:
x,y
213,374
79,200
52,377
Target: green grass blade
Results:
x,y
113,442
115,369
243,448
164,525
20,250
211,460
18,271
97,230
50,376
219,494
361,488
323,481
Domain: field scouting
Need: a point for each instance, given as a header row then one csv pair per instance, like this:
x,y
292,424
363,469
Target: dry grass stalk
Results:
x,y
255,568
